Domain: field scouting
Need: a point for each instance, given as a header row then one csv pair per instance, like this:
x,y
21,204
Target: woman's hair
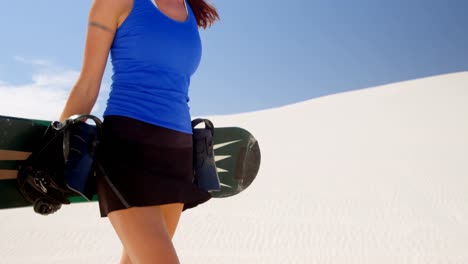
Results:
x,y
205,13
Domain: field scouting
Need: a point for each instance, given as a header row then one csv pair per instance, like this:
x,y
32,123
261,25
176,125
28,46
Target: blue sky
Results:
x,y
261,54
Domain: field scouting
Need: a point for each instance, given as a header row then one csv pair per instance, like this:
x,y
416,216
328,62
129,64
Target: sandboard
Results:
x,y
237,156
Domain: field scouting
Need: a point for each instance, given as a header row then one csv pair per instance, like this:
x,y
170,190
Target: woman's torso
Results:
x,y
153,57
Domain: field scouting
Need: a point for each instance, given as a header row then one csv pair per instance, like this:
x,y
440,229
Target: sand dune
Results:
x,y
378,175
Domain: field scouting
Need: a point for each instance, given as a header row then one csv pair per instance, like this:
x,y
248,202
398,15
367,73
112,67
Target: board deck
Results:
x,y
237,156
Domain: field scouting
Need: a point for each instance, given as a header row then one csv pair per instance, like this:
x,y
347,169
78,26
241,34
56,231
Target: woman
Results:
x,y
146,148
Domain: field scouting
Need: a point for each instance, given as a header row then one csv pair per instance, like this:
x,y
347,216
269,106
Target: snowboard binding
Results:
x,y
204,164
45,206
61,164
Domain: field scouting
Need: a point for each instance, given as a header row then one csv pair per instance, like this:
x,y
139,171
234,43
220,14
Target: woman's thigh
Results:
x,y
172,214
146,232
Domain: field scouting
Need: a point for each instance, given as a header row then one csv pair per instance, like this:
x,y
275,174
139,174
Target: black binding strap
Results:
x,y
208,124
71,121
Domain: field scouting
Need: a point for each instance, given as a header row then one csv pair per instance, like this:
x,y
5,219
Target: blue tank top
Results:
x,y
153,57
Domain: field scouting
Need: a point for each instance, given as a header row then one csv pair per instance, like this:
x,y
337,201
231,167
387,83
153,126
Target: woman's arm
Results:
x,y
103,20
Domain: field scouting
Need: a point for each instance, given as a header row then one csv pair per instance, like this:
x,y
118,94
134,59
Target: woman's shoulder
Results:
x,y
114,8
115,4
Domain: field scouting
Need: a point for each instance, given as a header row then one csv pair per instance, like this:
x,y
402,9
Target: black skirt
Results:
x,y
146,164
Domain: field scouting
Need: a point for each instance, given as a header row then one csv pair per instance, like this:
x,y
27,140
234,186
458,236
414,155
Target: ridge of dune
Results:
x,y
377,174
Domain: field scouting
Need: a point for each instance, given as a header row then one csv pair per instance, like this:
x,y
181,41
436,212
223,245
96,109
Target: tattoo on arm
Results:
x,y
95,24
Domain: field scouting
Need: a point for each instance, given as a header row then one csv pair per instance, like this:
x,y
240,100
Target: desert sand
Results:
x,y
377,175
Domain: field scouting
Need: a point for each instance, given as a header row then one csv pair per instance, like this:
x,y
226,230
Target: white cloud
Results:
x,y
45,96
34,62
36,100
